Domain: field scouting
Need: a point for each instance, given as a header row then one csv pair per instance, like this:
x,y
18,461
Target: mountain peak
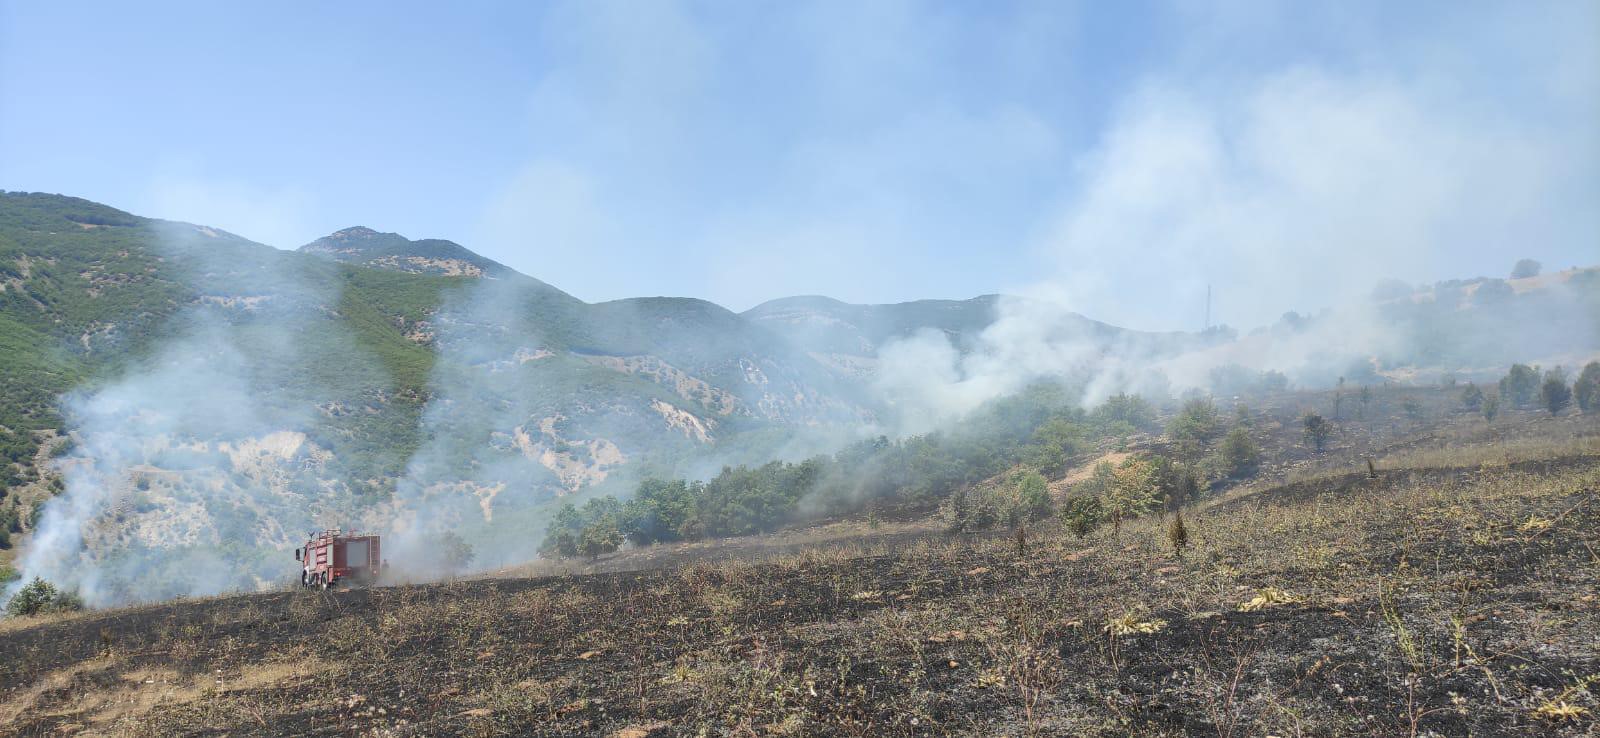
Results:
x,y
354,232
367,247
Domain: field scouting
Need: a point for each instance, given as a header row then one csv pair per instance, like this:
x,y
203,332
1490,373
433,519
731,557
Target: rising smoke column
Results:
x,y
476,474
193,469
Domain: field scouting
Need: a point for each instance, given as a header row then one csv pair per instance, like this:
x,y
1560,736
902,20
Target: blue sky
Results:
x,y
1115,157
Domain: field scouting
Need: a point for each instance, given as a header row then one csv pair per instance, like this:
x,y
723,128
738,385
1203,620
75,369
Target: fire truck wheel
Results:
x,y
325,582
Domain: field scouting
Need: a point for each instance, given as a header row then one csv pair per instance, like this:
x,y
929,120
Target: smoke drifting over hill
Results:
x,y
477,454
1304,182
195,468
1296,182
188,459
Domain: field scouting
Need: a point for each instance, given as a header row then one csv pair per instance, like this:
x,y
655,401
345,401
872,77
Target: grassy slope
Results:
x,y
1452,599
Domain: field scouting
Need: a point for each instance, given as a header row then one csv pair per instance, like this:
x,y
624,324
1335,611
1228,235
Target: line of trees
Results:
x,y
1040,430
1037,433
1525,386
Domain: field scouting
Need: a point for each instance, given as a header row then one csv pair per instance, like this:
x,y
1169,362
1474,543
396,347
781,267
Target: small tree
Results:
x,y
1195,426
1365,398
1525,268
958,513
1587,389
1491,407
1033,496
457,553
1178,534
600,536
1554,393
1317,430
561,536
1238,453
1132,493
38,597
1520,385
1081,514
1122,408
1472,397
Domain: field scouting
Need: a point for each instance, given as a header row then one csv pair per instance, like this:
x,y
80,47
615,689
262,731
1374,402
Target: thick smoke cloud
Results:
x,y
184,468
1298,189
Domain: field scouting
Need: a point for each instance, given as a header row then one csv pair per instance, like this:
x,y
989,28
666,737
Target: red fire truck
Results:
x,y
333,555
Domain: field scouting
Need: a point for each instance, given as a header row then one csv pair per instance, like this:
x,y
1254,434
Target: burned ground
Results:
x,y
1446,601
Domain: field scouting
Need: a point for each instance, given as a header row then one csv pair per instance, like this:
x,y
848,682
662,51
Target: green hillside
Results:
x,y
532,391
222,395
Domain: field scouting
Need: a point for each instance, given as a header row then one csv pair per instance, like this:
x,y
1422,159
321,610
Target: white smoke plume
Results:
x,y
184,467
476,470
1303,181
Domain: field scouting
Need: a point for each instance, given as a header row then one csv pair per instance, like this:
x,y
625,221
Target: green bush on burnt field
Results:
x,y
1520,386
40,597
1554,393
1586,390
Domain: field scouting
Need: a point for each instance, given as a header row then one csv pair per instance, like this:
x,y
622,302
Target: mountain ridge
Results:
x,y
212,388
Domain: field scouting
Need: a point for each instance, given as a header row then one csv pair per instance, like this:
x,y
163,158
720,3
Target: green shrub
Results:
x,y
1132,491
1033,496
1197,423
38,597
1081,514
458,554
1587,389
1317,429
1178,534
1554,394
1238,453
1520,385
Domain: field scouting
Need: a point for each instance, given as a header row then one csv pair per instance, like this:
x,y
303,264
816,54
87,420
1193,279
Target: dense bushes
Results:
x,y
1039,428
39,597
916,472
1023,498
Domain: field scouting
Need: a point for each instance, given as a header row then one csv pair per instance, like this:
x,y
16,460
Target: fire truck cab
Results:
x,y
333,555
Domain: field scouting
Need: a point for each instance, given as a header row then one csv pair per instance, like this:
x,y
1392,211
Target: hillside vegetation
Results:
x,y
178,405
1447,589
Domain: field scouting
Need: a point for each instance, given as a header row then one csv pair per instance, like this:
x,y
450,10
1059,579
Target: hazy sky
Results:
x,y
1116,157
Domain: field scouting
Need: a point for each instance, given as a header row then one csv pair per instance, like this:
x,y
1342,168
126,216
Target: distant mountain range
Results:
x,y
376,325
576,390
